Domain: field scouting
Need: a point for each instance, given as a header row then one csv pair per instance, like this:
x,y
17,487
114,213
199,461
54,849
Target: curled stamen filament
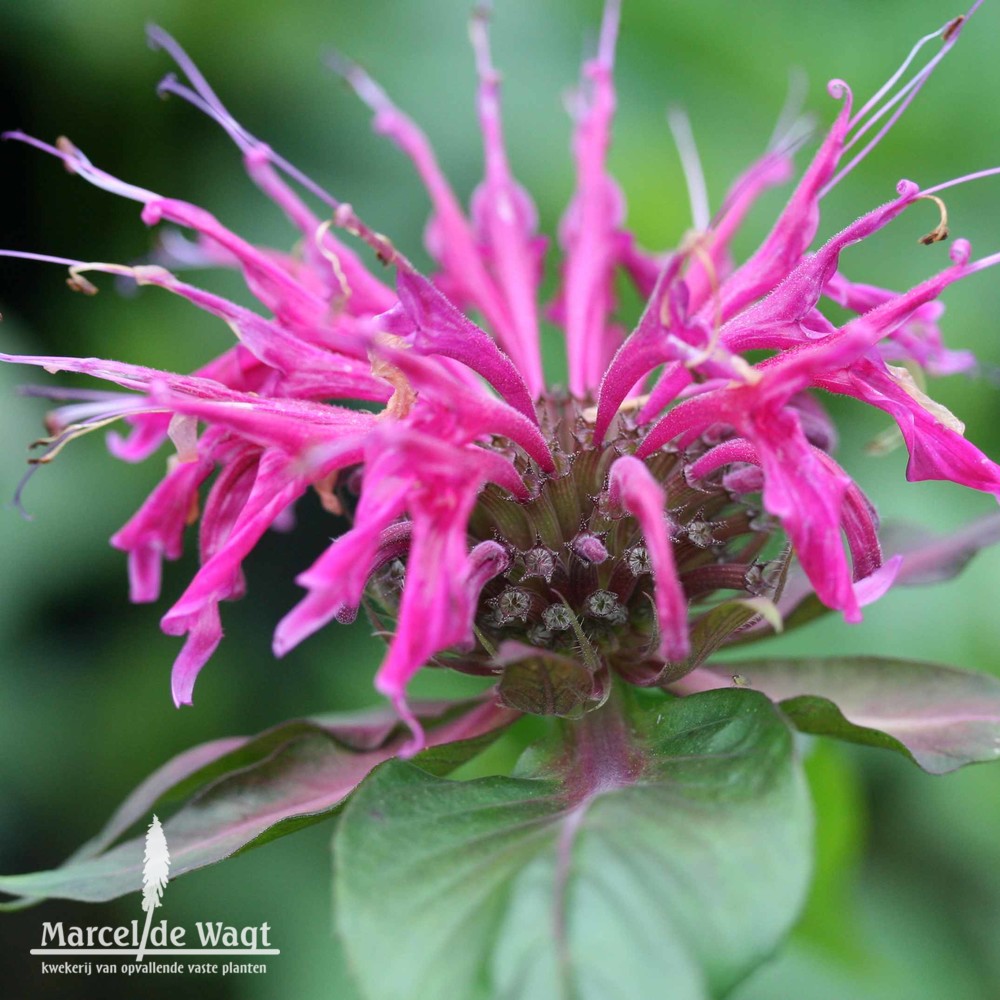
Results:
x,y
55,444
76,281
940,231
705,259
334,261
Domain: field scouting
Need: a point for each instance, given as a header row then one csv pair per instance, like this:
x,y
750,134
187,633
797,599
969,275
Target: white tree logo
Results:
x,y
155,875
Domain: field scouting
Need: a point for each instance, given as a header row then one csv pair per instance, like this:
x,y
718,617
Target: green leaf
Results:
x,y
939,717
661,850
243,793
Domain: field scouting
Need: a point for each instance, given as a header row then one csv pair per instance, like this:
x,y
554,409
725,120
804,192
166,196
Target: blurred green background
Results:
x,y
907,900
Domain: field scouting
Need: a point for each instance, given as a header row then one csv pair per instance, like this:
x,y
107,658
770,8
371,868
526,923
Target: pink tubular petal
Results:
x,y
690,416
802,488
402,465
472,414
500,470
807,495
590,225
204,635
437,608
783,378
853,511
150,430
643,267
274,488
228,497
157,528
486,561
450,238
937,451
506,220
439,328
274,346
884,319
860,523
337,579
674,380
633,488
768,323
286,297
733,450
869,589
417,456
339,598
704,276
786,375
817,425
645,348
128,376
297,427
744,479
443,580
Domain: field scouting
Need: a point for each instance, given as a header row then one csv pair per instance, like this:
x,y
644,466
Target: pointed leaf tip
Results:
x,y
242,793
940,717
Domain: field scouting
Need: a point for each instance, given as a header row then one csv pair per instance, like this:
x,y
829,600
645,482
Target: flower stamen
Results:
x,y
949,34
687,149
319,238
940,231
403,394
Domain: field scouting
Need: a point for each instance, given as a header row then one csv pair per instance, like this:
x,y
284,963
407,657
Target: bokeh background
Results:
x,y
907,898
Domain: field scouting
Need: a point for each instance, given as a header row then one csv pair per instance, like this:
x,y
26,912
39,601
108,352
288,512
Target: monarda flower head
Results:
x,y
677,494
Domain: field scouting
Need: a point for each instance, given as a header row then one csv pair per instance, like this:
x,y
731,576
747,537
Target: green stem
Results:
x,y
602,752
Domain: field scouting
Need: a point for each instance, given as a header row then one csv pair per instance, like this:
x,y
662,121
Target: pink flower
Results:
x,y
606,523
